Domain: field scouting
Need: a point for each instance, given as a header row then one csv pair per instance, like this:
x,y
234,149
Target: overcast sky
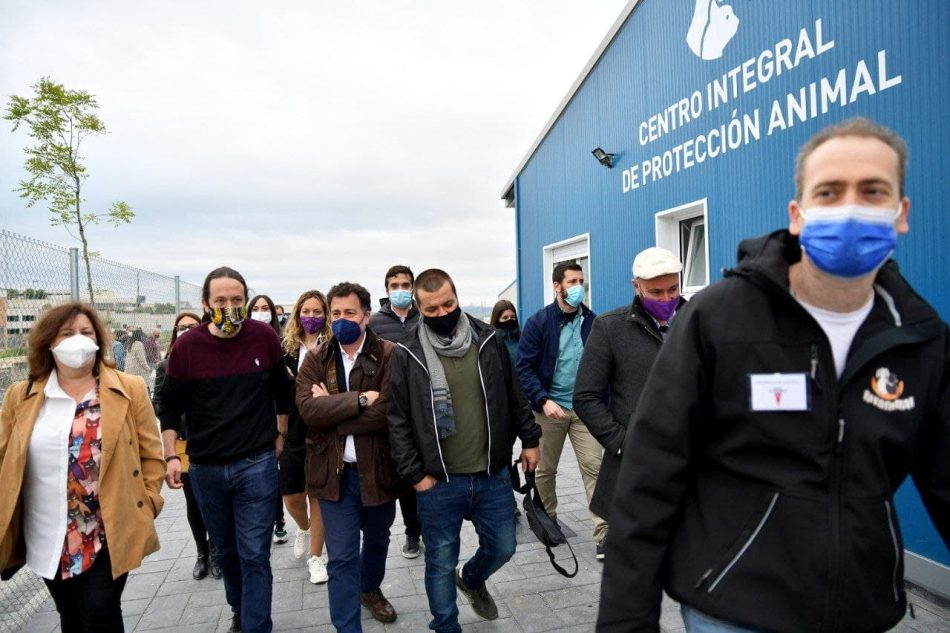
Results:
x,y
303,143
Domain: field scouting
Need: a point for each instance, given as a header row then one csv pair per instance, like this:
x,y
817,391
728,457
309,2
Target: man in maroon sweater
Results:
x,y
229,381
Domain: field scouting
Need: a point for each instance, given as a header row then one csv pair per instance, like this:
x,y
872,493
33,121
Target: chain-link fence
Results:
x,y
137,305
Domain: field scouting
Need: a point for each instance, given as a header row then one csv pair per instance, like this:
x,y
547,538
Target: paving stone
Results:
x,y
161,596
163,611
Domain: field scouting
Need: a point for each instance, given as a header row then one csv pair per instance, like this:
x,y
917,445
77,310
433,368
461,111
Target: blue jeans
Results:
x,y
487,502
351,571
237,502
698,622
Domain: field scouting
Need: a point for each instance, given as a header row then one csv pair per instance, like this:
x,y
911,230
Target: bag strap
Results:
x,y
557,567
530,487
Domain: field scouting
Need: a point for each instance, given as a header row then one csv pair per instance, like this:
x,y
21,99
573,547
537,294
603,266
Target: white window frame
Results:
x,y
668,236
571,248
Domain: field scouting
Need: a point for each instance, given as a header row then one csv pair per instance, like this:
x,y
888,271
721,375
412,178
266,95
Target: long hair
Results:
x,y
223,272
499,309
183,315
274,323
41,337
294,332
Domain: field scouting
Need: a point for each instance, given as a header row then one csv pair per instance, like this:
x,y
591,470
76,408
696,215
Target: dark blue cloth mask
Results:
x,y
346,331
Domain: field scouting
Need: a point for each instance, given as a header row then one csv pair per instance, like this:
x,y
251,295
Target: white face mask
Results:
x,y
76,351
261,316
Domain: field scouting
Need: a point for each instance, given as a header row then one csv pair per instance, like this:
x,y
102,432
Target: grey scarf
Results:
x,y
434,346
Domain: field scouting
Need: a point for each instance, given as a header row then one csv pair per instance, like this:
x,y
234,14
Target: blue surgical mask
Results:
x,y
848,241
346,331
400,298
575,296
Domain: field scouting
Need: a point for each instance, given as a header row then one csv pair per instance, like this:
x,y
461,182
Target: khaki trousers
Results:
x,y
588,452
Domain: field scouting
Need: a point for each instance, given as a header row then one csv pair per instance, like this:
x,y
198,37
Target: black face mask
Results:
x,y
510,325
443,325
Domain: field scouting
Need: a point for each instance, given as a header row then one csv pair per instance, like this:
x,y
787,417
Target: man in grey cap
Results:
x,y
618,356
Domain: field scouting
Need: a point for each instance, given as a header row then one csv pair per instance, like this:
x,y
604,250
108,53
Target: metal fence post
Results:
x,y
74,272
177,294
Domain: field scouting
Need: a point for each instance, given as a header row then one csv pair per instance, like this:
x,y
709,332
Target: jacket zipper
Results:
x,y
838,481
748,543
481,378
435,426
897,549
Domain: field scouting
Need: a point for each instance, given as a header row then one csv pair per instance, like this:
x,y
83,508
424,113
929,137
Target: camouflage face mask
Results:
x,y
227,319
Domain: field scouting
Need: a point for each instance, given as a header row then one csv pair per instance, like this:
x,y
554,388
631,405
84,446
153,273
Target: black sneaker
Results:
x,y
482,602
235,623
601,547
412,547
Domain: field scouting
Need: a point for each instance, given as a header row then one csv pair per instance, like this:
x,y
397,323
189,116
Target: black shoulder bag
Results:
x,y
544,527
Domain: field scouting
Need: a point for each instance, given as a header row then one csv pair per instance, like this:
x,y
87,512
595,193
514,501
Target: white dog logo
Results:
x,y
713,27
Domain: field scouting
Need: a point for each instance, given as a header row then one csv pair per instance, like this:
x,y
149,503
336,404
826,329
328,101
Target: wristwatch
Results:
x,y
363,401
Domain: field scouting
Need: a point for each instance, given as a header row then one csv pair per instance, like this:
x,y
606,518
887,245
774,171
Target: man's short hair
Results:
x,y
345,289
398,269
560,271
431,280
857,126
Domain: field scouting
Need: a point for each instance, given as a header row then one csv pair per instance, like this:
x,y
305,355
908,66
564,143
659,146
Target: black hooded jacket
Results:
x,y
387,324
782,521
412,430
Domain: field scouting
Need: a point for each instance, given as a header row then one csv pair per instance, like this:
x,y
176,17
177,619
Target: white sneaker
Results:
x,y
301,544
318,570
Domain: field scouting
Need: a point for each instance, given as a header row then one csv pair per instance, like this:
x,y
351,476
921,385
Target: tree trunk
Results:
x,y
85,247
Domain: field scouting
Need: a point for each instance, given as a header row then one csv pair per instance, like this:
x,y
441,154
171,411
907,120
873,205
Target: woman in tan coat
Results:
x,y
80,471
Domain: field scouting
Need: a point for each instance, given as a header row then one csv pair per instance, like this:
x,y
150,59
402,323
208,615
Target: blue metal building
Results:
x,y
703,106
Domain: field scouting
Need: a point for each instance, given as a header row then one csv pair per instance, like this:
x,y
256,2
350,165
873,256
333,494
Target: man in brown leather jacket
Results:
x,y
341,394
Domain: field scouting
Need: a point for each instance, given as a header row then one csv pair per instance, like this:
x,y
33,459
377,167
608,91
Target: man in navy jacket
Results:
x,y
549,353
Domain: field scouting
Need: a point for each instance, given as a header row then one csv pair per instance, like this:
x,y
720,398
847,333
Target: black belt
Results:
x,y
349,465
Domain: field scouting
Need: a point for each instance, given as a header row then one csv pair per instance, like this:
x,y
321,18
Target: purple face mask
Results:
x,y
660,310
312,325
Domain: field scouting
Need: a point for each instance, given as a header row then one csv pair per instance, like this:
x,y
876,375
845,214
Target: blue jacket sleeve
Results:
x,y
529,357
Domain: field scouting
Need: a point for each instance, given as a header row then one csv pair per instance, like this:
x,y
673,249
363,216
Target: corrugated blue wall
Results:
x,y
562,191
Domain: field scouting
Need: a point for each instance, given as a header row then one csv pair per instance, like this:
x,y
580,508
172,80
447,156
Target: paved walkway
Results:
x,y
531,596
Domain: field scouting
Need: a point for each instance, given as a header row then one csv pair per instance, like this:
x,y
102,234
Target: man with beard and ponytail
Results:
x,y
342,395
455,408
787,406
396,315
549,354
228,379
619,353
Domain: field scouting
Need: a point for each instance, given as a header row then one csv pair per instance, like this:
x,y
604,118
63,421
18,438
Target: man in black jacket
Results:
x,y
395,317
619,353
786,407
454,412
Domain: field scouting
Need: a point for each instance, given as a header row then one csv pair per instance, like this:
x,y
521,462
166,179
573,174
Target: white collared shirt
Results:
x,y
44,482
349,449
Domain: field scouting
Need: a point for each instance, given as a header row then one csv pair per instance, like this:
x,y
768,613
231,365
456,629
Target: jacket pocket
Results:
x,y
891,525
714,577
317,464
872,550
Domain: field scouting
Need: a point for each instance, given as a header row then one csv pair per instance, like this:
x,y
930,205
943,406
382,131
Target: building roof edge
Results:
x,y
507,193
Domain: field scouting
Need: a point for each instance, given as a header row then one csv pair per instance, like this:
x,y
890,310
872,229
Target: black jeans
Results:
x,y
410,514
193,511
91,601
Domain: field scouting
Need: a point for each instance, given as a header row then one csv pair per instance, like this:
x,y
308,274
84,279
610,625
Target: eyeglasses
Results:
x,y
185,328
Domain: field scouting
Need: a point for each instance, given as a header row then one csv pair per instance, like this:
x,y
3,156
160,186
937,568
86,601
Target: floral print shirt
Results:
x,y
85,532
